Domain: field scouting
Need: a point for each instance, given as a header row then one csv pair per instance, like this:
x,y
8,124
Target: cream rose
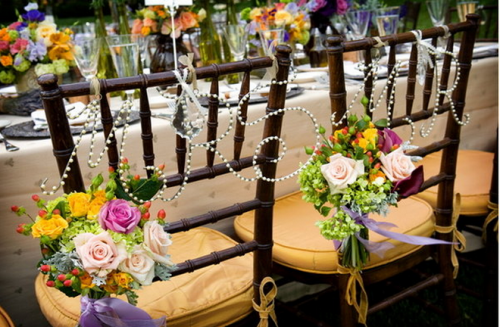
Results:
x,y
44,31
99,253
397,165
140,265
158,241
341,172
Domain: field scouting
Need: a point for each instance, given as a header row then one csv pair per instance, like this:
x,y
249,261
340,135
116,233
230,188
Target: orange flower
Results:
x,y
61,51
59,38
378,174
6,60
123,279
4,34
188,20
86,281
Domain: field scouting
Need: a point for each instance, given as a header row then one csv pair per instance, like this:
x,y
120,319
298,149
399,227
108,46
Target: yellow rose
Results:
x,y
86,281
79,204
283,17
123,280
202,14
52,227
44,31
371,135
96,204
254,13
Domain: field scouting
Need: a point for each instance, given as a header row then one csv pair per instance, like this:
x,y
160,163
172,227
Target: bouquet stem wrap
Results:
x,y
109,311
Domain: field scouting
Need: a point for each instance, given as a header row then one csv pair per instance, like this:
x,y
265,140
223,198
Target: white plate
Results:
x,y
4,123
8,90
352,71
308,68
309,77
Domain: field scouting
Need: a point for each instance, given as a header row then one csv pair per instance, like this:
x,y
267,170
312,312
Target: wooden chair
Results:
x,y
216,278
488,29
300,253
5,320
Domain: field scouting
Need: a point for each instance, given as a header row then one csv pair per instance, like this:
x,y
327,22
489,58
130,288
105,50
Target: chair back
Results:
x,y
184,148
441,95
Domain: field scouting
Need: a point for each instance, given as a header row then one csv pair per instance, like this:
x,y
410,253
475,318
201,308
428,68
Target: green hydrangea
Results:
x,y
22,64
338,227
42,69
60,66
7,76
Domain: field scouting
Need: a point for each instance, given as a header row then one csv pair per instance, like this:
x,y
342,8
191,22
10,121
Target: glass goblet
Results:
x,y
125,53
437,11
270,38
387,20
86,53
358,21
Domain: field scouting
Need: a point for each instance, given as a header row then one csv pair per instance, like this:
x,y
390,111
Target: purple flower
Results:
x,y
119,216
37,51
387,139
33,16
411,184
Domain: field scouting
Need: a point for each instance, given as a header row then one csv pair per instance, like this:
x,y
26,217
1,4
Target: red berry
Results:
x,y
369,153
146,215
35,198
61,277
45,251
56,212
344,131
162,214
50,283
67,283
45,268
395,146
14,208
75,272
137,177
42,213
161,167
125,161
147,204
111,169
20,228
377,165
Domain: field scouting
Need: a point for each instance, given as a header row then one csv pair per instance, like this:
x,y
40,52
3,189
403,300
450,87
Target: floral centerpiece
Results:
x,y
361,169
293,18
33,42
156,20
96,244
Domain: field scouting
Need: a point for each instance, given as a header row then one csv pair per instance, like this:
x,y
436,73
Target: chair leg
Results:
x,y
348,315
450,292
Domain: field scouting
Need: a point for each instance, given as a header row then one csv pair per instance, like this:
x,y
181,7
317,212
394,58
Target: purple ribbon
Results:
x,y
115,312
381,228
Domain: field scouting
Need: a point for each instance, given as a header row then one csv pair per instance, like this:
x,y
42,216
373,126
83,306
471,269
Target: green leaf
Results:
x,y
361,125
143,189
382,123
325,210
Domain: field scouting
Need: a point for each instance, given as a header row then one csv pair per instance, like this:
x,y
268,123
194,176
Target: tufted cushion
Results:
x,y
473,182
5,320
299,245
212,296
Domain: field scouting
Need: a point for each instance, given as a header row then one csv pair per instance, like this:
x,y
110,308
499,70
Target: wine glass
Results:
x,y
236,36
437,11
270,38
387,20
358,21
125,54
86,52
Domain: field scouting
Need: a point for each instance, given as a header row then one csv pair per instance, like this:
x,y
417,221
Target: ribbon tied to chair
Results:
x,y
459,241
351,295
493,216
424,58
187,60
266,307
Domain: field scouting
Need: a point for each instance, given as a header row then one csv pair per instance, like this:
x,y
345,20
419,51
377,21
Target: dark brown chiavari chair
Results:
x,y
216,278
301,254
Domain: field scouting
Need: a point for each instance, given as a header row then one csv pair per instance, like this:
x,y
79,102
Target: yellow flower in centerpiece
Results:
x,y
283,17
86,281
369,138
254,13
123,279
79,204
96,204
51,227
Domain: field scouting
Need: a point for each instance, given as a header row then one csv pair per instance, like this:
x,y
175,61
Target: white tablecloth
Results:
x,y
22,172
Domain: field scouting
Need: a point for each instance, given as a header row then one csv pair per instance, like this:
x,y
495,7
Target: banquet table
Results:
x,y
22,171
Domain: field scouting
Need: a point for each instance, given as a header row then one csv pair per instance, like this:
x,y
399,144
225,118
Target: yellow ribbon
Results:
x,y
492,216
187,60
266,307
351,295
458,237
95,87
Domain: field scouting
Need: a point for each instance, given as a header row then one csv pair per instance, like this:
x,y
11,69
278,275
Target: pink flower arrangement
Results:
x,y
156,20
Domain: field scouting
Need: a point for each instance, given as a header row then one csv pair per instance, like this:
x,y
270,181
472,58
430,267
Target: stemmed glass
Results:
x,y
270,38
236,36
125,54
86,52
464,8
437,11
387,20
358,21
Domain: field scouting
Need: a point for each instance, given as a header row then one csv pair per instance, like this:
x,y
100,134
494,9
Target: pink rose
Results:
x,y
99,253
119,216
4,45
341,172
397,165
158,241
137,27
342,7
140,266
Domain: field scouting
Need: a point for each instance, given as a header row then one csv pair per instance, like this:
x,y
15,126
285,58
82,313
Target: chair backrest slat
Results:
x,y
239,135
412,79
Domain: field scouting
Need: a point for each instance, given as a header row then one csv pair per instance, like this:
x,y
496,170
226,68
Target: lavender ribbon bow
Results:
x,y
115,312
381,228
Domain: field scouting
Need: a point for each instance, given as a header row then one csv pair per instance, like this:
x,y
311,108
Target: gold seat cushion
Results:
x,y
5,320
212,296
473,180
298,243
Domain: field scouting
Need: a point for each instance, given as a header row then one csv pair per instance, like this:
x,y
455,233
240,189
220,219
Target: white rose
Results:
x,y
341,172
140,265
44,31
158,241
397,165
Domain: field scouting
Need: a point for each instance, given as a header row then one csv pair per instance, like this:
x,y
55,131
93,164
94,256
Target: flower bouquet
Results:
x,y
33,42
95,244
292,18
360,169
156,20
